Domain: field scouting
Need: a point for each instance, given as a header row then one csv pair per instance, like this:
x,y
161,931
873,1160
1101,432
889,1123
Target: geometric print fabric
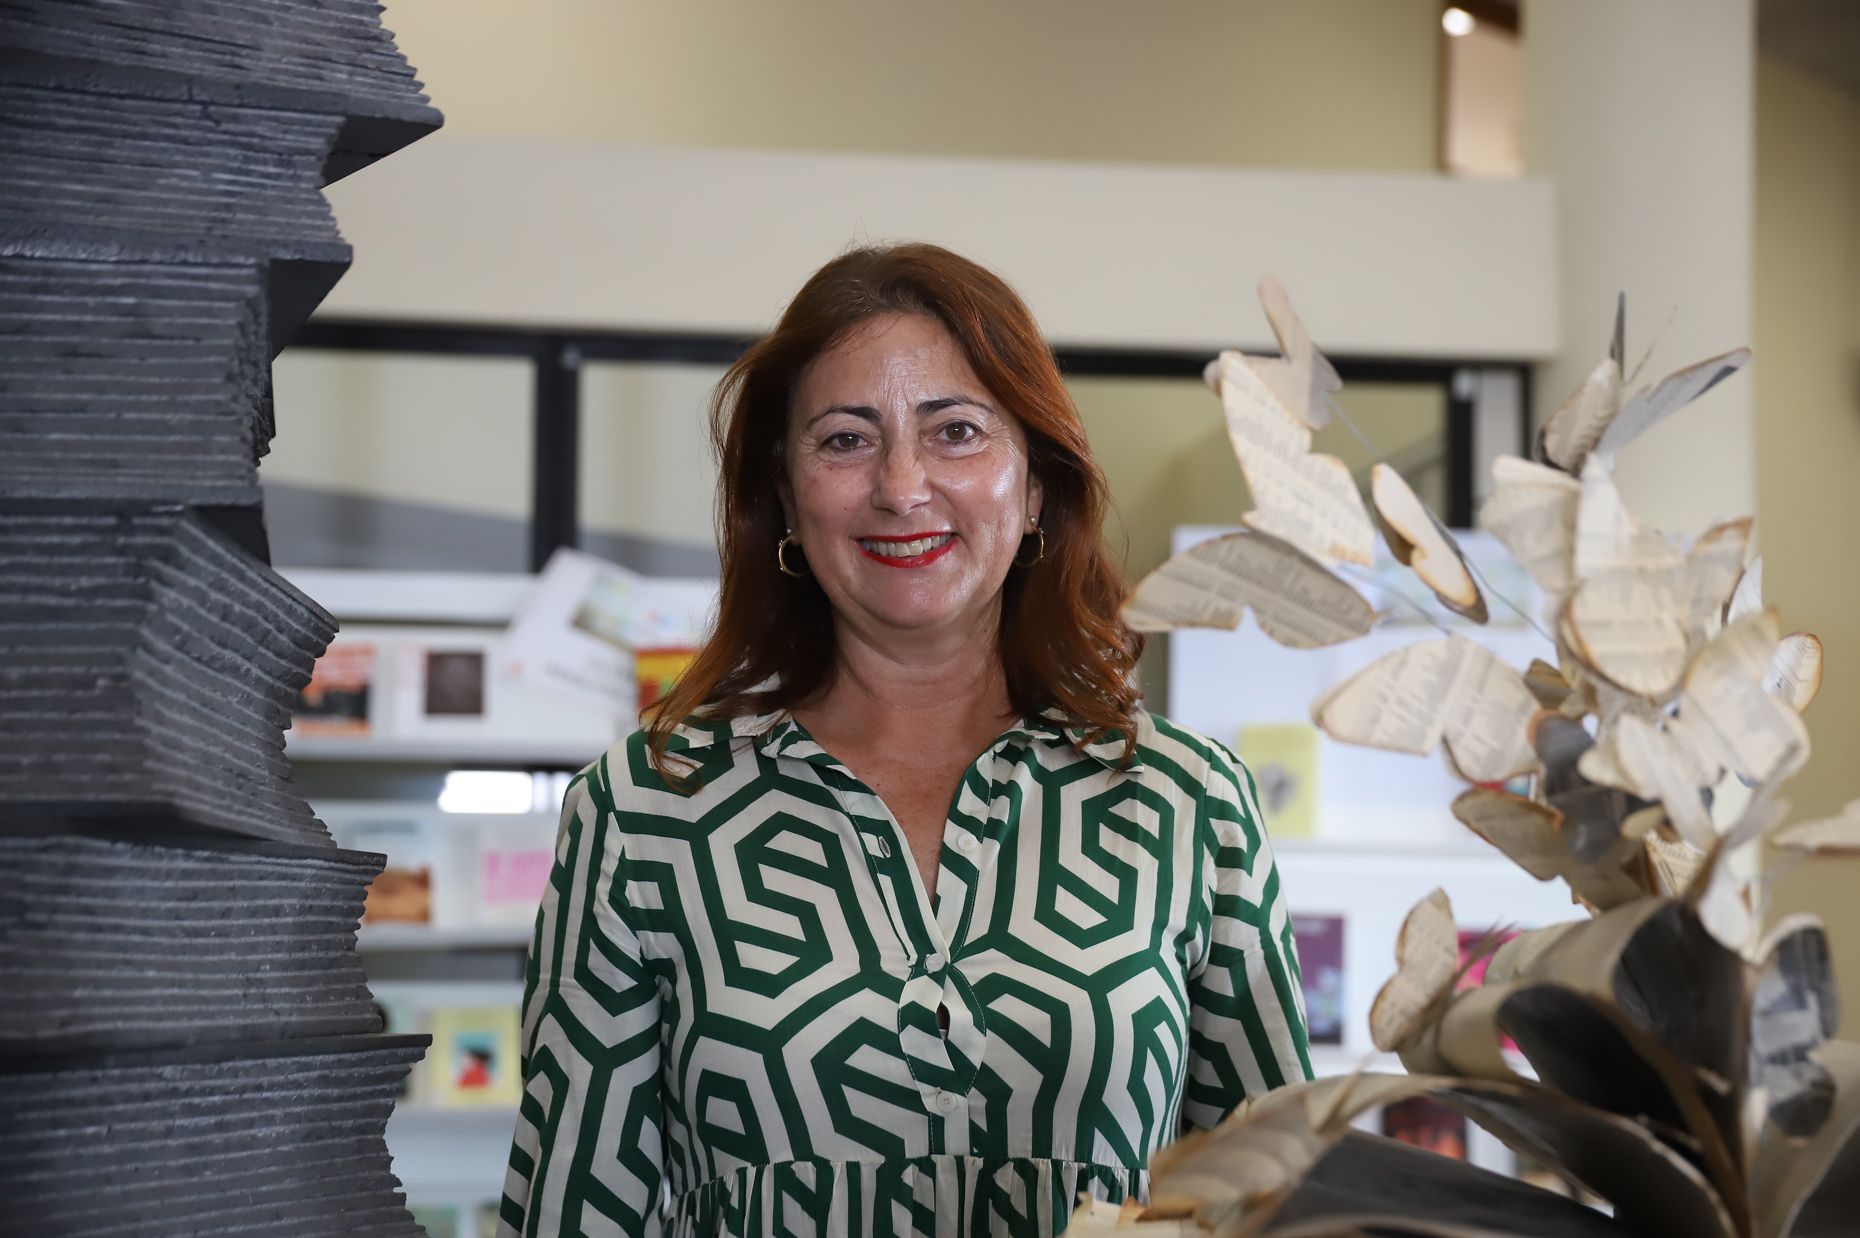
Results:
x,y
743,1016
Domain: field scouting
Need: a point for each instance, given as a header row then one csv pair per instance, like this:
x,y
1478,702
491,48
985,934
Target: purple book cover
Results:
x,y
1320,962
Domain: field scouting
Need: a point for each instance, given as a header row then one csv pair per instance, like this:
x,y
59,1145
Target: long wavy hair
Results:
x,y
1061,643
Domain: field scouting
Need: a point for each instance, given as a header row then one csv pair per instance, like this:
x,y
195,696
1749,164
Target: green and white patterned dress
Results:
x,y
742,1008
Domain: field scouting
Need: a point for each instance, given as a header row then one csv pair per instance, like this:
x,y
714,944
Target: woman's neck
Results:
x,y
888,698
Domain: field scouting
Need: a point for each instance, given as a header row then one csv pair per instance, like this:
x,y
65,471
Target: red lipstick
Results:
x,y
923,560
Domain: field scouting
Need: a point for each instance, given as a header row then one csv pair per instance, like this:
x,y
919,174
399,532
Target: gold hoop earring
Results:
x,y
1041,534
781,560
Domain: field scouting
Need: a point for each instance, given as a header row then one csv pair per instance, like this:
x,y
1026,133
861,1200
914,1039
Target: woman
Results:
x,y
902,916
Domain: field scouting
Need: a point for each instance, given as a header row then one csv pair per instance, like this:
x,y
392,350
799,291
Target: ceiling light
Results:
x,y
486,790
1456,22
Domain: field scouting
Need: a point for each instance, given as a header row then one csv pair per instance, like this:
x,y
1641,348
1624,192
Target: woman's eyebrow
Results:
x,y
865,411
942,402
935,404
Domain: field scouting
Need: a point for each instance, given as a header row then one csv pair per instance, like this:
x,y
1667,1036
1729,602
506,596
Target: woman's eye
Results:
x,y
845,440
958,432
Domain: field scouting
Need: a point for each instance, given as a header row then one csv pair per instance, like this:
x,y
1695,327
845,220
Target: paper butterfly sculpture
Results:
x,y
1669,1057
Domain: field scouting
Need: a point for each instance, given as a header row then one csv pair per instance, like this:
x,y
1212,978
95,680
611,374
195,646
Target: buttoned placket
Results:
x,y
941,1023
942,1057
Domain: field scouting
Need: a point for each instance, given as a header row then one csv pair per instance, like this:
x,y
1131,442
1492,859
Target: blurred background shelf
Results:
x,y
443,1118
452,753
405,938
359,595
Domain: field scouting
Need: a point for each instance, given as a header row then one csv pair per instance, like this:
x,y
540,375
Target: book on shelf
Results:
x,y
452,683
656,670
579,633
1283,759
402,893
340,699
473,1061
445,870
1423,1122
513,857
428,685
1477,946
1320,967
444,686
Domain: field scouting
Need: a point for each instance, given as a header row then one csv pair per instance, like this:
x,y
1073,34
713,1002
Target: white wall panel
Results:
x,y
598,234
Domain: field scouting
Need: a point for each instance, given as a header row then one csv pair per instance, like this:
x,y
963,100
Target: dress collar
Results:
x,y
777,734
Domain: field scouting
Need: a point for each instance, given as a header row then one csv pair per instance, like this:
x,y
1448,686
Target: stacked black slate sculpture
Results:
x,y
187,1042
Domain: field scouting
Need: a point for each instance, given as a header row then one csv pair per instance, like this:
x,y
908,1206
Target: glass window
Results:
x,y
648,480
392,460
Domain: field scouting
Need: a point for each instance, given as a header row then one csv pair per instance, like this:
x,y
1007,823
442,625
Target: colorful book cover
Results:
x,y
473,1060
1471,942
514,859
403,891
656,670
336,701
1283,758
1424,1122
1320,963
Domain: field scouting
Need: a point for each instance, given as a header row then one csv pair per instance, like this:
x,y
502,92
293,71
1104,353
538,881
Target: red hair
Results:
x,y
1061,643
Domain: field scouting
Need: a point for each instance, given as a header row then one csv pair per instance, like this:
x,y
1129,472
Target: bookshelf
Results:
x,y
380,789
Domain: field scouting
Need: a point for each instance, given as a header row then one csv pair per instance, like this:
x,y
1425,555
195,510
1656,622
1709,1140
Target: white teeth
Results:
x,y
907,550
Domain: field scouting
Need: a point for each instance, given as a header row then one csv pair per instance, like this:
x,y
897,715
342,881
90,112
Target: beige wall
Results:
x,y
1317,85
1265,83
1808,447
1641,114
1808,398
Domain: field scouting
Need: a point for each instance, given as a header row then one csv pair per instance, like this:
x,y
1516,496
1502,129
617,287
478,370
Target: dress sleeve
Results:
x,y
588,1153
1246,1010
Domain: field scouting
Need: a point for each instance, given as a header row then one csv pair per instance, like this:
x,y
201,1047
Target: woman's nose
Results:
x,y
903,481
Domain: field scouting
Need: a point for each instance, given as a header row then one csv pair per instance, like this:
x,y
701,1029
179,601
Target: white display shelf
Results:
x,y
439,1150
414,1115
450,752
376,596
1329,1061
1466,845
410,937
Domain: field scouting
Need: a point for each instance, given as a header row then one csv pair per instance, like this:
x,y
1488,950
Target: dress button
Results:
x,y
947,1101
933,962
967,843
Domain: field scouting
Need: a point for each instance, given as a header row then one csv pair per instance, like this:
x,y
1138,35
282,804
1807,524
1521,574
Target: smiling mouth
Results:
x,y
907,552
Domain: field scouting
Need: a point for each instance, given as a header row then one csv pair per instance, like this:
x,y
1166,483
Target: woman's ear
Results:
x,y
785,493
1036,496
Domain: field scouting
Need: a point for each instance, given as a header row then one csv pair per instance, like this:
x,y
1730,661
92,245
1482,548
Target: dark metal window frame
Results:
x,y
558,356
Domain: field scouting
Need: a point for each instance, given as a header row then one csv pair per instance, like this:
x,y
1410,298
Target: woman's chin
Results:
x,y
915,614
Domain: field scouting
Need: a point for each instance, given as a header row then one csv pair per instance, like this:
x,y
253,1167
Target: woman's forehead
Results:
x,y
892,352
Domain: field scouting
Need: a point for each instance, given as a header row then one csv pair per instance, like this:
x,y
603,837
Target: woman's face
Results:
x,y
907,483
